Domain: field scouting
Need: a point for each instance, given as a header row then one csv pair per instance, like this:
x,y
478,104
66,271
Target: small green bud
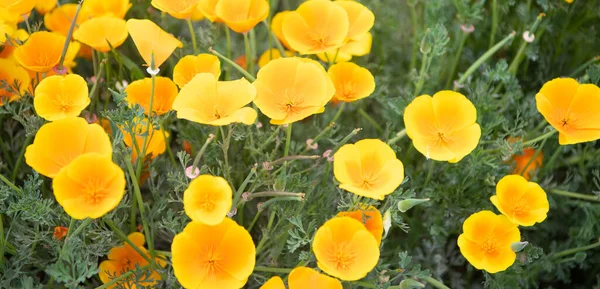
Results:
x,y
407,204
411,284
580,257
426,43
518,246
279,185
387,222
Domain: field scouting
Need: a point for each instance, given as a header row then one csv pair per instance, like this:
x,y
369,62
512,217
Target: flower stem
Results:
x,y
435,283
576,195
514,65
277,42
193,35
535,155
11,185
168,145
293,158
374,123
576,250
399,135
463,39
272,270
263,239
339,112
540,138
69,36
249,60
319,136
20,158
288,140
346,139
275,194
71,234
254,220
228,36
242,187
120,278
584,66
422,73
494,22
140,202
2,241
235,65
415,26
485,57
201,152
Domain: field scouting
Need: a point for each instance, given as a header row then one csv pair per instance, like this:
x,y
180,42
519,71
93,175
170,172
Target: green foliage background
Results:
x,y
422,241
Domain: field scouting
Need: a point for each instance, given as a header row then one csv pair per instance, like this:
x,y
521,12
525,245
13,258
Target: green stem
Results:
x,y
124,238
235,65
249,64
11,185
429,173
374,123
288,140
201,152
140,202
272,270
584,66
346,139
254,220
267,231
20,158
228,36
120,278
514,65
71,234
415,26
576,250
422,73
269,139
69,36
242,187
225,147
593,198
275,194
400,135
319,136
463,40
141,156
339,112
2,241
540,138
494,22
168,145
98,76
535,155
436,283
277,42
193,35
485,57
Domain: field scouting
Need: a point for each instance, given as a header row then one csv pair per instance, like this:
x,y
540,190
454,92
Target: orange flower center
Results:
x,y
211,262
489,246
441,139
565,124
94,192
318,41
520,207
347,90
206,202
342,257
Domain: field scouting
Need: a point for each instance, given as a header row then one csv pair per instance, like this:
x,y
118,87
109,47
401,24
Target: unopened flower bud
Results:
x,y
518,246
411,284
387,222
192,172
405,205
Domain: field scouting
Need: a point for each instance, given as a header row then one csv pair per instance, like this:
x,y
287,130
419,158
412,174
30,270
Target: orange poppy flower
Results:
x,y
60,232
102,32
241,61
150,40
277,28
303,277
368,168
140,91
370,217
41,52
15,76
316,26
486,241
360,18
282,93
181,9
20,7
242,15
273,283
443,127
116,8
361,46
207,7
59,20
573,109
125,258
345,249
522,202
58,97
44,6
522,162
207,199
208,101
57,143
351,81
89,187
156,142
271,54
213,257
69,63
190,65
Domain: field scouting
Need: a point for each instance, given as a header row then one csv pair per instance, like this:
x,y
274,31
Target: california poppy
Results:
x,y
89,186
316,26
59,20
443,127
58,97
360,46
60,232
44,6
573,109
41,52
16,77
370,217
282,93
277,28
102,33
190,65
351,81
360,18
242,15
57,143
368,168
151,40
345,249
116,8
303,278
181,9
208,101
20,7
524,162
273,283
522,202
207,199
140,91
486,241
213,257
208,9
271,54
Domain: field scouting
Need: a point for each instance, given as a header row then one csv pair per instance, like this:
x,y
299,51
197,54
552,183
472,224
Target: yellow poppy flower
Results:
x,y
150,40
242,15
522,202
57,143
524,161
59,20
41,52
140,91
569,1
208,101
282,93
351,81
180,9
207,7
368,168
361,46
58,97
69,62
316,26
368,216
97,8
207,199
277,28
102,32
125,258
44,6
272,54
213,257
303,278
442,127
573,109
13,74
486,241
360,18
156,142
89,187
273,283
20,7
345,249
190,65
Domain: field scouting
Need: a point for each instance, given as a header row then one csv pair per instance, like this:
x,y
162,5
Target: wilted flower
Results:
x,y
486,241
191,65
303,278
316,26
58,97
242,15
97,8
351,81
368,168
89,187
522,202
151,40
281,93
12,74
57,143
59,20
370,217
571,108
345,249
213,257
271,54
181,9
443,127
102,33
208,101
41,52
207,199
140,92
